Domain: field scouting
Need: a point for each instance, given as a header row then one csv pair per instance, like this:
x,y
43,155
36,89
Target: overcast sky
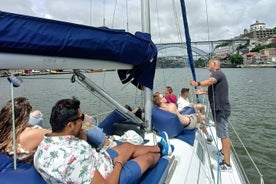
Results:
x,y
227,18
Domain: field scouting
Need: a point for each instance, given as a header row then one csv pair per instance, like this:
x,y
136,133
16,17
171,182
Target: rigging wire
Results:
x,y
158,21
217,149
159,34
177,23
176,20
248,154
90,12
127,16
114,12
103,12
208,28
100,101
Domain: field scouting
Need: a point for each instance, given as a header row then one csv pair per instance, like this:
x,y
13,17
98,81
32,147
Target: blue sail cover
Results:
x,y
37,36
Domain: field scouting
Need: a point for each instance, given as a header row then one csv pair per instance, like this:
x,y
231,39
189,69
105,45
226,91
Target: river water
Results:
x,y
252,96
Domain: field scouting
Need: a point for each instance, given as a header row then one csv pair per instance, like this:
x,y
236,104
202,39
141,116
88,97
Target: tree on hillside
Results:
x,y
200,63
260,47
236,59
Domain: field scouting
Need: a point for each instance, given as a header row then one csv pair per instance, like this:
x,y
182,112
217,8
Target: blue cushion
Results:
x,y
25,173
157,174
166,121
187,136
187,110
107,123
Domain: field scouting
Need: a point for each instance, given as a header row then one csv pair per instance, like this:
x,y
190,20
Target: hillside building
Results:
x,y
258,30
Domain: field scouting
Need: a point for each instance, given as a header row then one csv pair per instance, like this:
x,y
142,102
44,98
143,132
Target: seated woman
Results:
x,y
188,121
28,136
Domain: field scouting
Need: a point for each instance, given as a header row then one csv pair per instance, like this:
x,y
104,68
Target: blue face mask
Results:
x,y
36,119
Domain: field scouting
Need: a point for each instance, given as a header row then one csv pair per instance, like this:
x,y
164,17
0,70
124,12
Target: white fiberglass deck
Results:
x,y
192,164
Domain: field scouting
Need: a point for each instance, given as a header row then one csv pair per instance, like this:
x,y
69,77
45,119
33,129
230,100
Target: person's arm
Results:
x,y
114,176
82,135
32,137
204,83
201,92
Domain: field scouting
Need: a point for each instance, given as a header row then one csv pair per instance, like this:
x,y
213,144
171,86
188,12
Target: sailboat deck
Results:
x,y
191,163
223,177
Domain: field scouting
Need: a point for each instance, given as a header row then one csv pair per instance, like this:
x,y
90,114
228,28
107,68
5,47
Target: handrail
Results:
x,y
249,156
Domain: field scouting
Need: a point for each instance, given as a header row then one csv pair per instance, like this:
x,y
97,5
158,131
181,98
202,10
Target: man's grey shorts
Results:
x,y
222,123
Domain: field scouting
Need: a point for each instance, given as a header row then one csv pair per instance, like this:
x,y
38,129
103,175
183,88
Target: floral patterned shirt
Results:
x,y
67,159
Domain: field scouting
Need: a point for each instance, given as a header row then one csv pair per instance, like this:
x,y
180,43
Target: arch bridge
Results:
x,y
201,52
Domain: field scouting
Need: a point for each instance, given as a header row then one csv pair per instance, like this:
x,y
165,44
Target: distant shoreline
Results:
x,y
259,66
271,65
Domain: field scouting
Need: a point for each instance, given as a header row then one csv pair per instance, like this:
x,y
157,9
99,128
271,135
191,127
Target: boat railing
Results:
x,y
243,173
248,155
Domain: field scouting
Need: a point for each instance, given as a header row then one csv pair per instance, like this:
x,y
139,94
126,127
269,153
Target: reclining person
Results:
x,y
64,156
188,121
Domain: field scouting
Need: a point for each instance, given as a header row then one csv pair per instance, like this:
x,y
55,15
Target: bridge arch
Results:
x,y
196,50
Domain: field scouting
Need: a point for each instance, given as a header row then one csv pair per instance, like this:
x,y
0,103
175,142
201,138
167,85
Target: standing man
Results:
x,y
220,106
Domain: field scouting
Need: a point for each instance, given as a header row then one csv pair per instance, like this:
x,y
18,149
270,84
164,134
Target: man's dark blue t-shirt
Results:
x,y
220,95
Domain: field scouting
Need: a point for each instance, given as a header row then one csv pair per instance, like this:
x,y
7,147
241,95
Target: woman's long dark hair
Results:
x,y
22,110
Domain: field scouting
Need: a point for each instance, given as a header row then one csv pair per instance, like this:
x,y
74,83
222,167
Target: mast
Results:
x,y
145,18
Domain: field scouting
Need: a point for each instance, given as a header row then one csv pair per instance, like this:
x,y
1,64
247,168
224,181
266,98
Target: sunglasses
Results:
x,y
161,96
77,118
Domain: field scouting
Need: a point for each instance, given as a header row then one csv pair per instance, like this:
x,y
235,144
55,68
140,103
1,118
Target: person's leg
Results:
x,y
200,108
226,147
223,134
96,137
193,121
128,151
225,139
108,122
185,120
36,118
147,161
135,168
209,138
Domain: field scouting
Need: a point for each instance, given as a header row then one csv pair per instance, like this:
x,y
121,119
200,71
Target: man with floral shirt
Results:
x,y
65,157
